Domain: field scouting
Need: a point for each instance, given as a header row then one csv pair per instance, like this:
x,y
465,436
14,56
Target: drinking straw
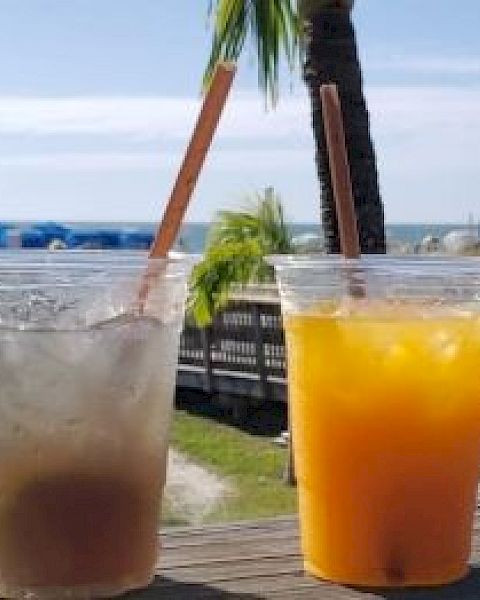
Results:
x,y
193,161
340,171
344,204
189,171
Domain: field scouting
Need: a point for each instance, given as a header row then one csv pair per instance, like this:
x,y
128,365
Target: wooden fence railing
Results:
x,y
241,353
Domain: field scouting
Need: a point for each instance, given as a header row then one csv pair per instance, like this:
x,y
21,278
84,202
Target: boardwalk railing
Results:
x,y
241,353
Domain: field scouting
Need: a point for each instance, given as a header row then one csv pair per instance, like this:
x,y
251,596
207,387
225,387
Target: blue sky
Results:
x,y
98,99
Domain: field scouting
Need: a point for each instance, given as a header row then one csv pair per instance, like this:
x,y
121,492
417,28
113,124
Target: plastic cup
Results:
x,y
86,397
384,394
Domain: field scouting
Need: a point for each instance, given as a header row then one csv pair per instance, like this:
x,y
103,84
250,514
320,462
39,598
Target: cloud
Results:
x,y
426,139
145,117
425,65
87,161
394,109
416,109
224,160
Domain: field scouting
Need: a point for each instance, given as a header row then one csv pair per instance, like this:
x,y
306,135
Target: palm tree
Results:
x,y
236,246
324,31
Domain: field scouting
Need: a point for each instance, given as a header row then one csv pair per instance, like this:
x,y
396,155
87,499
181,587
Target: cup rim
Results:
x,y
115,261
436,262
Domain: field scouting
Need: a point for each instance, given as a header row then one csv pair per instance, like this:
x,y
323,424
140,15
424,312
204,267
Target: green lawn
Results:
x,y
252,465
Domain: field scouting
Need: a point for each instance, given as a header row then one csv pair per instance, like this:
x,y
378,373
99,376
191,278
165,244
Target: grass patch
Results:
x,y
252,464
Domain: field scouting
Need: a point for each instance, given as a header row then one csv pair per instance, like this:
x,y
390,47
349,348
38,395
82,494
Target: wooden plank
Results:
x,y
287,523
209,560
297,586
234,567
261,560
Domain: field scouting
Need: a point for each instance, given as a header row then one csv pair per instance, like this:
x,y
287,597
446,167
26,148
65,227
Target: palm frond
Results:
x,y
235,253
222,267
273,26
232,226
276,235
229,32
262,218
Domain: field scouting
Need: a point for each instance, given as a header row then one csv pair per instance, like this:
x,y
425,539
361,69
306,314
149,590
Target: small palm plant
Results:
x,y
237,245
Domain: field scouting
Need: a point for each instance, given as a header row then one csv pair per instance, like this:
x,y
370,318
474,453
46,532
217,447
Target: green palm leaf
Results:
x,y
273,26
235,253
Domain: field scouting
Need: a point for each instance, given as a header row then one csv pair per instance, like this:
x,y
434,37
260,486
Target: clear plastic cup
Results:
x,y
86,394
384,392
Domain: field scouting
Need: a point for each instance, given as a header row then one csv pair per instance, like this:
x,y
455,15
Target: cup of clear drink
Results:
x,y
384,395
87,383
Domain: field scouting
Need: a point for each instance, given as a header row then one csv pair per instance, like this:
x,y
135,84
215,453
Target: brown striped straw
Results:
x,y
189,172
343,195
194,159
340,171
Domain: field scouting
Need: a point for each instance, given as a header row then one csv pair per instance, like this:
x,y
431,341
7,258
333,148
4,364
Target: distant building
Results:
x,y
308,243
461,241
430,244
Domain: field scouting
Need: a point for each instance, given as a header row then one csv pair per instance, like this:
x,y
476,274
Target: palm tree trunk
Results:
x,y
331,57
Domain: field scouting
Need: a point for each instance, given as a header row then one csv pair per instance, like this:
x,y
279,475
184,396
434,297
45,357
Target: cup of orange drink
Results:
x,y
384,392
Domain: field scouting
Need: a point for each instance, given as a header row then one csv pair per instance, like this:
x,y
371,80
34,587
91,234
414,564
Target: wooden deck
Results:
x,y
261,560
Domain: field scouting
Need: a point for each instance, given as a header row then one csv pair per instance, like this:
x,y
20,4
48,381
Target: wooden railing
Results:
x,y
241,353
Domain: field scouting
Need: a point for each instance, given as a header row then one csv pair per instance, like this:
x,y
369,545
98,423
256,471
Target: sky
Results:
x,y
98,99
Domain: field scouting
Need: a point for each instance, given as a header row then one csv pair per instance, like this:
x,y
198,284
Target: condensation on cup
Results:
x,y
86,393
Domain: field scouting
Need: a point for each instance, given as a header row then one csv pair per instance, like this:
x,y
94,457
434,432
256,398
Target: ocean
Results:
x,y
193,235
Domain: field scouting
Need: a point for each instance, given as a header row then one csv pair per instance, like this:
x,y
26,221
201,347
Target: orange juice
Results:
x,y
385,409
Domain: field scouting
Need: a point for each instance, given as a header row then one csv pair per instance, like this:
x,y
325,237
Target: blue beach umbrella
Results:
x,y
33,238
52,231
136,239
94,238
